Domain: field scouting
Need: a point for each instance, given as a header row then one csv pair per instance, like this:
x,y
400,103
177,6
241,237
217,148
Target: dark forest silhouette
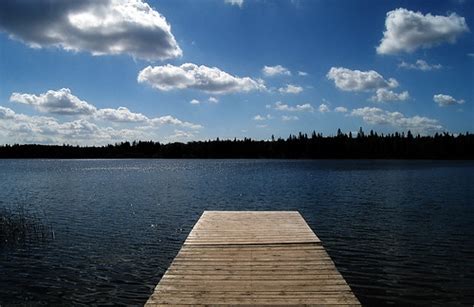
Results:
x,y
301,146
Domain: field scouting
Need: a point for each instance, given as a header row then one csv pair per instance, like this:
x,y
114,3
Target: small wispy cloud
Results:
x,y
262,117
213,99
287,118
420,65
340,109
238,3
280,106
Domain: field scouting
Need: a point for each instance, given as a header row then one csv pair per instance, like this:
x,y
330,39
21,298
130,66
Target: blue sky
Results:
x,y
87,72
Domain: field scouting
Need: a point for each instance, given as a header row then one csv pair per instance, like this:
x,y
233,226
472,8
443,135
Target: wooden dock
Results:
x,y
252,258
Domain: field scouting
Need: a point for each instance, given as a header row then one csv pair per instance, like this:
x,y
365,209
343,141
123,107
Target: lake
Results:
x,y
105,231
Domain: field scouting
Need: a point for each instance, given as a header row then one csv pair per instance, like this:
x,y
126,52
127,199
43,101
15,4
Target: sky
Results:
x,y
97,72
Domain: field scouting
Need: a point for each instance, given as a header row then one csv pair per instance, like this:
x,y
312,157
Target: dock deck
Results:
x,y
252,258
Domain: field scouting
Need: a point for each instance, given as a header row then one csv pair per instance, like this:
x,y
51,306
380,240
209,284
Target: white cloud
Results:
x,y
262,118
20,128
208,79
276,70
238,3
287,118
280,106
323,108
383,95
377,116
420,65
407,30
302,73
56,102
170,120
100,27
340,109
290,89
6,113
446,100
213,100
356,80
63,102
180,135
121,114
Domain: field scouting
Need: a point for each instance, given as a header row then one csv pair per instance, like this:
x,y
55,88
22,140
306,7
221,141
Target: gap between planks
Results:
x,y
252,258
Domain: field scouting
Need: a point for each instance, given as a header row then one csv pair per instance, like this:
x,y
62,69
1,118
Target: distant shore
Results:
x,y
301,146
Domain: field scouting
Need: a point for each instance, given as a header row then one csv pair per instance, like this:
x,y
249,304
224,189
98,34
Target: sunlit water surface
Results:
x,y
400,232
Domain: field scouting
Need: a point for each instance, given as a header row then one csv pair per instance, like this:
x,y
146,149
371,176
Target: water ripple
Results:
x,y
400,232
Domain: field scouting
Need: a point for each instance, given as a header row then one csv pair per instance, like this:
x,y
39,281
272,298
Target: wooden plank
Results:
x,y
255,258
250,227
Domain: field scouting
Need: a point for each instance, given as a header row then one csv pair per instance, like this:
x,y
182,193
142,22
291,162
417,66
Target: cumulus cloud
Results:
x,y
63,102
302,73
323,108
383,95
100,27
445,100
6,113
290,89
121,114
194,101
238,3
57,102
191,76
20,128
340,109
280,106
407,30
271,71
356,80
377,116
287,118
420,65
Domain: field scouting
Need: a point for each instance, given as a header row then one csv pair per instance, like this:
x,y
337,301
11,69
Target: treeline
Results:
x,y
301,146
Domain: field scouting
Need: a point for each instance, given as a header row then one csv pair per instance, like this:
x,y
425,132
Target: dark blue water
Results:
x,y
400,232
